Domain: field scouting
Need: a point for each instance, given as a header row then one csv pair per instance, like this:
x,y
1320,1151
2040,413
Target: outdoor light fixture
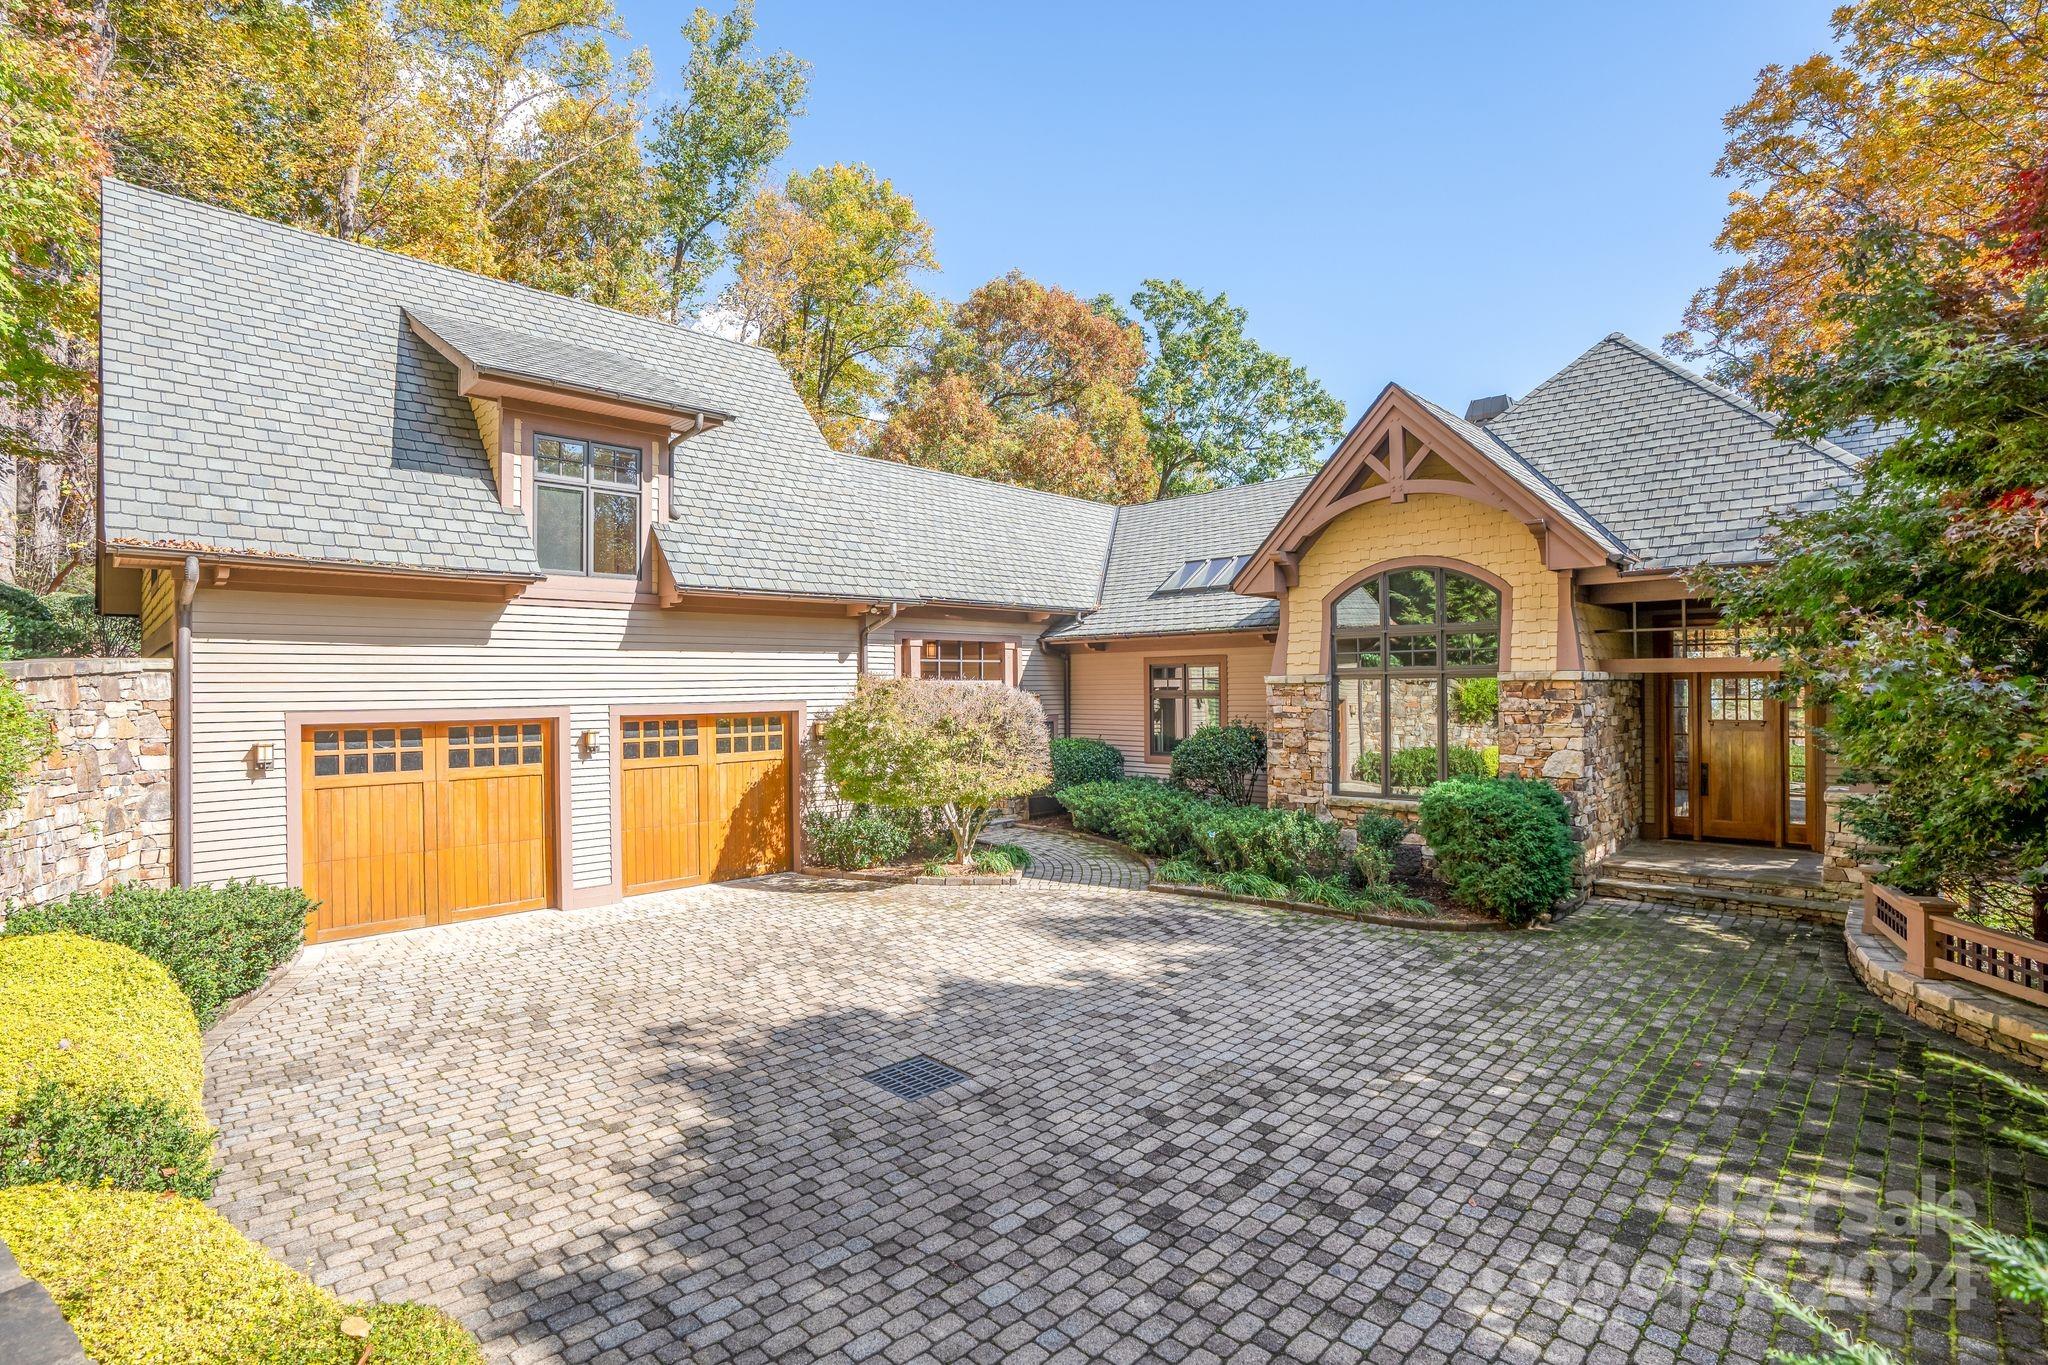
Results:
x,y
263,757
586,743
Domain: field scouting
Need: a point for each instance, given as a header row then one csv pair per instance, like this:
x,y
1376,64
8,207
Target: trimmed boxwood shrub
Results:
x,y
854,840
1503,846
218,942
1149,815
96,1019
1221,761
1075,761
162,1280
99,1069
1281,844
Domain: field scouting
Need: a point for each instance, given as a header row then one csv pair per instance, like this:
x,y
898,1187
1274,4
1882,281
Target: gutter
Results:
x,y
181,727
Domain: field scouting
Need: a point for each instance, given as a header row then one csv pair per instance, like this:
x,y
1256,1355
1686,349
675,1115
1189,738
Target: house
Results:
x,y
483,599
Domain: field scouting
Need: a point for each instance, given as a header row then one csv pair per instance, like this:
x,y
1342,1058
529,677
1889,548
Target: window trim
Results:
x,y
1441,674
589,487
910,655
983,649
1219,662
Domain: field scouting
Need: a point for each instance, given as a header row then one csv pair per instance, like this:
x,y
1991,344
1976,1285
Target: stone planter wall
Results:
x,y
98,812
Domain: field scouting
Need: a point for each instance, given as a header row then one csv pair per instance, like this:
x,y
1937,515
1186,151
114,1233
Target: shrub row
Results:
x,y
853,840
218,942
1331,891
1147,814
165,1280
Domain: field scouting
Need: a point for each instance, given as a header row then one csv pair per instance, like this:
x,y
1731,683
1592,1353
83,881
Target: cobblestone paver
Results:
x,y
1057,856
1192,1133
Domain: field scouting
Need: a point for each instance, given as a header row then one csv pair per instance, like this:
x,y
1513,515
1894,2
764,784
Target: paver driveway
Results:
x,y
1193,1132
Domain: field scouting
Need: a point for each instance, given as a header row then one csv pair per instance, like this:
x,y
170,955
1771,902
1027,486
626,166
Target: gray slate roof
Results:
x,y
1154,539
266,395
263,395
1677,469
563,362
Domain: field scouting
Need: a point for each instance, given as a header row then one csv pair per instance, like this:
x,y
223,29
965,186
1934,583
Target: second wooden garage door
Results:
x,y
702,799
407,825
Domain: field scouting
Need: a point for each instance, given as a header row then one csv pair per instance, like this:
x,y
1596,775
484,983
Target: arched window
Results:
x,y
1415,659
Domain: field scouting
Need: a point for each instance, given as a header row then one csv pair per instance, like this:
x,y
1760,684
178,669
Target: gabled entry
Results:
x,y
1403,446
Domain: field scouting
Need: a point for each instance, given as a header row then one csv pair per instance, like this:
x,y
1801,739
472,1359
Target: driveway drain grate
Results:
x,y
915,1078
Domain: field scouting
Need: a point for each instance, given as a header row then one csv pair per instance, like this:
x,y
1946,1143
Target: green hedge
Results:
x,y
1075,761
1149,815
96,1019
219,942
100,1074
1281,844
162,1280
853,840
1503,846
1331,891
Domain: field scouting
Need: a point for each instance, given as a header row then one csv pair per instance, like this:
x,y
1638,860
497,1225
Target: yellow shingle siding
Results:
x,y
1428,524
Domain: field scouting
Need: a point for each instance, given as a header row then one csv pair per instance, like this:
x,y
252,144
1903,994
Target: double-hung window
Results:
x,y
1183,698
587,506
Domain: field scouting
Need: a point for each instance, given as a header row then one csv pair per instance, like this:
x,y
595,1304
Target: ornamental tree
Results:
x,y
1917,607
960,748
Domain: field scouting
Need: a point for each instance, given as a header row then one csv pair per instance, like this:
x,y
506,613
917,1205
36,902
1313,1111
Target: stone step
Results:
x,y
1738,900
1663,874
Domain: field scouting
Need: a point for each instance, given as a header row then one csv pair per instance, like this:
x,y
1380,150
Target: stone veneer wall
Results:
x,y
1843,851
99,811
1582,732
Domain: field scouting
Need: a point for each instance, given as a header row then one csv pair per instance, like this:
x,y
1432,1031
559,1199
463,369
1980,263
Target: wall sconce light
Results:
x,y
262,758
586,744
818,731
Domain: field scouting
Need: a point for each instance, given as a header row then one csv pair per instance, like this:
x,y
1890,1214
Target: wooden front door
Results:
x,y
408,825
702,799
1740,778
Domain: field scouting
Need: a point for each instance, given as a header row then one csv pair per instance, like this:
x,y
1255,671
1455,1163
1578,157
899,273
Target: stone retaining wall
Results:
x,y
2009,1028
98,812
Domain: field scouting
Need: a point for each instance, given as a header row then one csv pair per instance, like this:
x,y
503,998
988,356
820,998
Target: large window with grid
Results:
x,y
587,507
1415,659
961,660
1182,698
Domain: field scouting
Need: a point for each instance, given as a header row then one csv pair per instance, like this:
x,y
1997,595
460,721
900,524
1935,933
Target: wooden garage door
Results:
x,y
408,825
702,799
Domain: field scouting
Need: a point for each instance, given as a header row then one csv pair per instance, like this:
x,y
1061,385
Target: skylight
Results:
x,y
1204,575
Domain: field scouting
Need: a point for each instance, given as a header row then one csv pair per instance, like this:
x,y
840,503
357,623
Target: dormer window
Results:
x,y
587,507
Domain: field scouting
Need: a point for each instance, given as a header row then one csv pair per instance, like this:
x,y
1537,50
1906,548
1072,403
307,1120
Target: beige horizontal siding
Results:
x,y
257,656
1110,702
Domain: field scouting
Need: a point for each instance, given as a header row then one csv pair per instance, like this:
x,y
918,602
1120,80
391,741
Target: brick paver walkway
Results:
x,y
1192,1133
1058,856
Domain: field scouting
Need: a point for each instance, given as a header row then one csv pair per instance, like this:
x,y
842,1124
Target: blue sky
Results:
x,y
1457,196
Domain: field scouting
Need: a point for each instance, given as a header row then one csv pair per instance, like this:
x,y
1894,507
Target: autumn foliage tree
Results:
x,y
826,275
1925,113
958,748
1027,384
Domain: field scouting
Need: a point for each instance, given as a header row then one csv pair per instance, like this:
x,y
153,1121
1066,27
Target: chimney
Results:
x,y
1484,410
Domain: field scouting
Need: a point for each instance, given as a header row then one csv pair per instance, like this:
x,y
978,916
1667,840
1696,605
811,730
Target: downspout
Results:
x,y
860,649
181,728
